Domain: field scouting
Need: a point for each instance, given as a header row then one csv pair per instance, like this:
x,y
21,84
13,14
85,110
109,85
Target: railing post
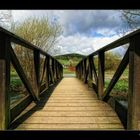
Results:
x,y
51,70
133,121
37,71
47,71
100,74
85,65
4,82
90,67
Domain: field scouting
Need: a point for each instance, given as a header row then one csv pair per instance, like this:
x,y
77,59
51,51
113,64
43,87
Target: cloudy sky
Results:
x,y
84,31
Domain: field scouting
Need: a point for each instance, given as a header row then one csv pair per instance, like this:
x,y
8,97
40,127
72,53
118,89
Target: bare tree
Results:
x,y
40,32
132,18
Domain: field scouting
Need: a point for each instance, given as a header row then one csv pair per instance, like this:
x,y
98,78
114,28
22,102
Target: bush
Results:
x,y
111,61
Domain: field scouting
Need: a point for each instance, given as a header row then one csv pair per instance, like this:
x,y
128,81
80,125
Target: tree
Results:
x,y
40,32
6,18
132,18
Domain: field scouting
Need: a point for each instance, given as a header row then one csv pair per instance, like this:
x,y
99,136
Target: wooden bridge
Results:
x,y
68,103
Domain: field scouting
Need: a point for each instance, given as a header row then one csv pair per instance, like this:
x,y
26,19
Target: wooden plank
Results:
x,y
76,120
5,82
74,108
116,76
73,101
134,84
73,105
97,113
69,112
69,126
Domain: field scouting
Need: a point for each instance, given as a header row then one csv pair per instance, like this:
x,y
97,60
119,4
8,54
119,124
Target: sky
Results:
x,y
84,31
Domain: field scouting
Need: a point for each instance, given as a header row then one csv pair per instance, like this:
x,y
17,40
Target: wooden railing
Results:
x,y
86,71
54,72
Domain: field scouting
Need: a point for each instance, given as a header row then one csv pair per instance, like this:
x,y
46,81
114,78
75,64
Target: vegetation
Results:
x,y
38,31
69,61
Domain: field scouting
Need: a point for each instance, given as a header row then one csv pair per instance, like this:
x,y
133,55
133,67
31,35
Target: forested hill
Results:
x,y
64,59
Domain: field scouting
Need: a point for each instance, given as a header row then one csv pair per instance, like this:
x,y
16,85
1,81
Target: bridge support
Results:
x,y
101,74
134,85
4,83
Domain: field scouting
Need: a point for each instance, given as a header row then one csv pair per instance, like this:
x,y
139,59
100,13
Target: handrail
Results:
x,y
85,70
7,55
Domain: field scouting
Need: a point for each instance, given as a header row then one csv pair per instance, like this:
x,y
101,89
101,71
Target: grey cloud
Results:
x,y
85,21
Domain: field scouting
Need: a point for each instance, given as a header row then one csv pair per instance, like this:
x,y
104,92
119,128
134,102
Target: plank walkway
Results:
x,y
72,106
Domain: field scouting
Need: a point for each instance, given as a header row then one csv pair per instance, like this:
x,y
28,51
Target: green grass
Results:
x,y
121,86
120,90
15,82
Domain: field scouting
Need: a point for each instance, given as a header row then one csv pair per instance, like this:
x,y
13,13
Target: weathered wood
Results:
x,y
69,126
100,75
117,75
71,113
43,72
90,59
84,70
134,84
7,54
47,71
21,74
17,109
4,83
51,71
37,72
92,69
94,72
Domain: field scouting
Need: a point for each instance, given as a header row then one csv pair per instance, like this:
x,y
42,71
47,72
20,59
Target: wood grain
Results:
x,y
77,109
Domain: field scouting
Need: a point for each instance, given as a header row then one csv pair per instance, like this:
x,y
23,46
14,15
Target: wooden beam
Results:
x,y
90,59
37,72
47,71
4,82
100,74
17,109
43,72
21,74
94,72
116,76
134,85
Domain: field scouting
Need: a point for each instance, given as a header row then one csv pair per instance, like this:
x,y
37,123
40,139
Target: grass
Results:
x,y
120,89
16,87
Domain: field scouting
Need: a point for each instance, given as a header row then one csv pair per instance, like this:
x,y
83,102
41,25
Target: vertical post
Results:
x,y
81,70
51,70
47,71
100,74
85,65
133,121
37,72
90,67
4,82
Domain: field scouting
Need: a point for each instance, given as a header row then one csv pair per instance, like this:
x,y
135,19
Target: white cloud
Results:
x,y
81,44
84,30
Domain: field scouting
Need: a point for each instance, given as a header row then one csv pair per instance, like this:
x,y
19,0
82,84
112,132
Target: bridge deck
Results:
x,y
72,106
